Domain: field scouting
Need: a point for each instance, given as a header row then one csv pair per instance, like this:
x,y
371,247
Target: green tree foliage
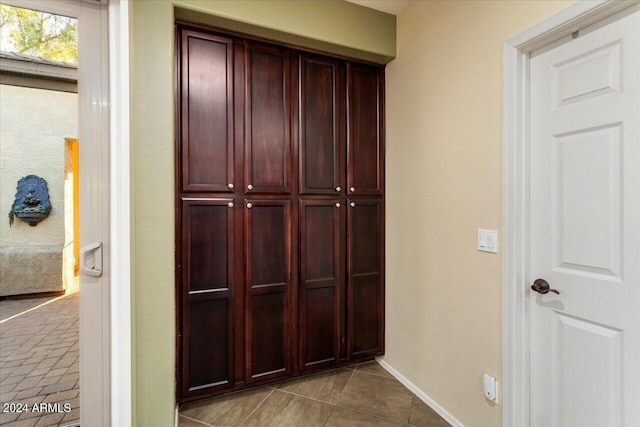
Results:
x,y
39,34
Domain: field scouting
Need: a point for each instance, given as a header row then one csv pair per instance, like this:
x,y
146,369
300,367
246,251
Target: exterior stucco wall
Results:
x,y
33,126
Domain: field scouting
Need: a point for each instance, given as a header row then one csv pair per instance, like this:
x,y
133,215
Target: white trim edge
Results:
x,y
515,316
421,394
121,325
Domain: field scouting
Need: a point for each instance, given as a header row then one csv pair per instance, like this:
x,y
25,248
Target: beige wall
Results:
x,y
444,181
152,126
329,25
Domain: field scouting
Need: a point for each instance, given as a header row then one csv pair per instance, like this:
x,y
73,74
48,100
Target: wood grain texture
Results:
x,y
321,302
206,94
365,140
267,119
365,276
322,125
207,237
268,286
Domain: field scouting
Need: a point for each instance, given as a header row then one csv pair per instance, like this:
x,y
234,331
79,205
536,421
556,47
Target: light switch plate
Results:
x,y
488,240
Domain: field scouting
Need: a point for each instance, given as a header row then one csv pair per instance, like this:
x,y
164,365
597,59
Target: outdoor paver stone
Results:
x,y
25,369
8,397
63,363
56,372
28,383
13,379
7,417
54,388
72,377
37,371
48,362
30,392
50,420
39,359
73,415
23,423
49,381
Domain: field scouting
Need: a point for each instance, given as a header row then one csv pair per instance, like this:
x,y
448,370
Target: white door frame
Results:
x,y
516,184
120,213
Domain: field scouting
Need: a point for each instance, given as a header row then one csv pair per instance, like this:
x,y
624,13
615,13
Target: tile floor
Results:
x,y
39,360
365,395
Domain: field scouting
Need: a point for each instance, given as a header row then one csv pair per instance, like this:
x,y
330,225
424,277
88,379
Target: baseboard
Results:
x,y
422,395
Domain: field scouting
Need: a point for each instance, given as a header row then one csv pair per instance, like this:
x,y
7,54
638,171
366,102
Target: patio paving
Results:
x,y
39,361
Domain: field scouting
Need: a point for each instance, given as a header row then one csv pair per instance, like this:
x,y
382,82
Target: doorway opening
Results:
x,y
39,292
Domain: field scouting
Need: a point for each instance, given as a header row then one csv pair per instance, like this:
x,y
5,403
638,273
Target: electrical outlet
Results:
x,y
491,388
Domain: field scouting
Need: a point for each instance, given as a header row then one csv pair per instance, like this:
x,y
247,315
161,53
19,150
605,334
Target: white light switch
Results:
x,y
488,240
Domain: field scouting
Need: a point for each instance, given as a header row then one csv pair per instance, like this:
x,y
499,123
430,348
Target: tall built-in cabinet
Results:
x,y
280,212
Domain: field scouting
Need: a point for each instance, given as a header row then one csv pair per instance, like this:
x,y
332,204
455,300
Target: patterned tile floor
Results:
x,y
39,353
365,395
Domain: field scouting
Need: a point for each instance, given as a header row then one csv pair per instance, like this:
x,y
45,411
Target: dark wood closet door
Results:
x,y
365,164
279,262
322,126
321,295
268,281
206,106
267,120
365,276
207,293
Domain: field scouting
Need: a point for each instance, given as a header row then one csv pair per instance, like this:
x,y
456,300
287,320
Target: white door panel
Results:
x,y
585,229
93,99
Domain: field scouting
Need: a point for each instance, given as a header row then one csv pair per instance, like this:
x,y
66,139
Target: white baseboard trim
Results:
x,y
421,394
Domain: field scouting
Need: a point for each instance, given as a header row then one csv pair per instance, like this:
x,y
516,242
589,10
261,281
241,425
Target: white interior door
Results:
x,y
585,228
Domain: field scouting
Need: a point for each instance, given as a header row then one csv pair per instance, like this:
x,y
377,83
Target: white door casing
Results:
x,y
517,274
585,228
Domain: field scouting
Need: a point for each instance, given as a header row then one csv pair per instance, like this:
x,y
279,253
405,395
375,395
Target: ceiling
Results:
x,y
393,7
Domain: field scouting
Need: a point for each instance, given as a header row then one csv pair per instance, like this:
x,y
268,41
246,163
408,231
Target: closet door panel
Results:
x,y
321,153
268,279
206,93
207,264
267,120
365,89
209,239
209,362
268,334
365,246
321,282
